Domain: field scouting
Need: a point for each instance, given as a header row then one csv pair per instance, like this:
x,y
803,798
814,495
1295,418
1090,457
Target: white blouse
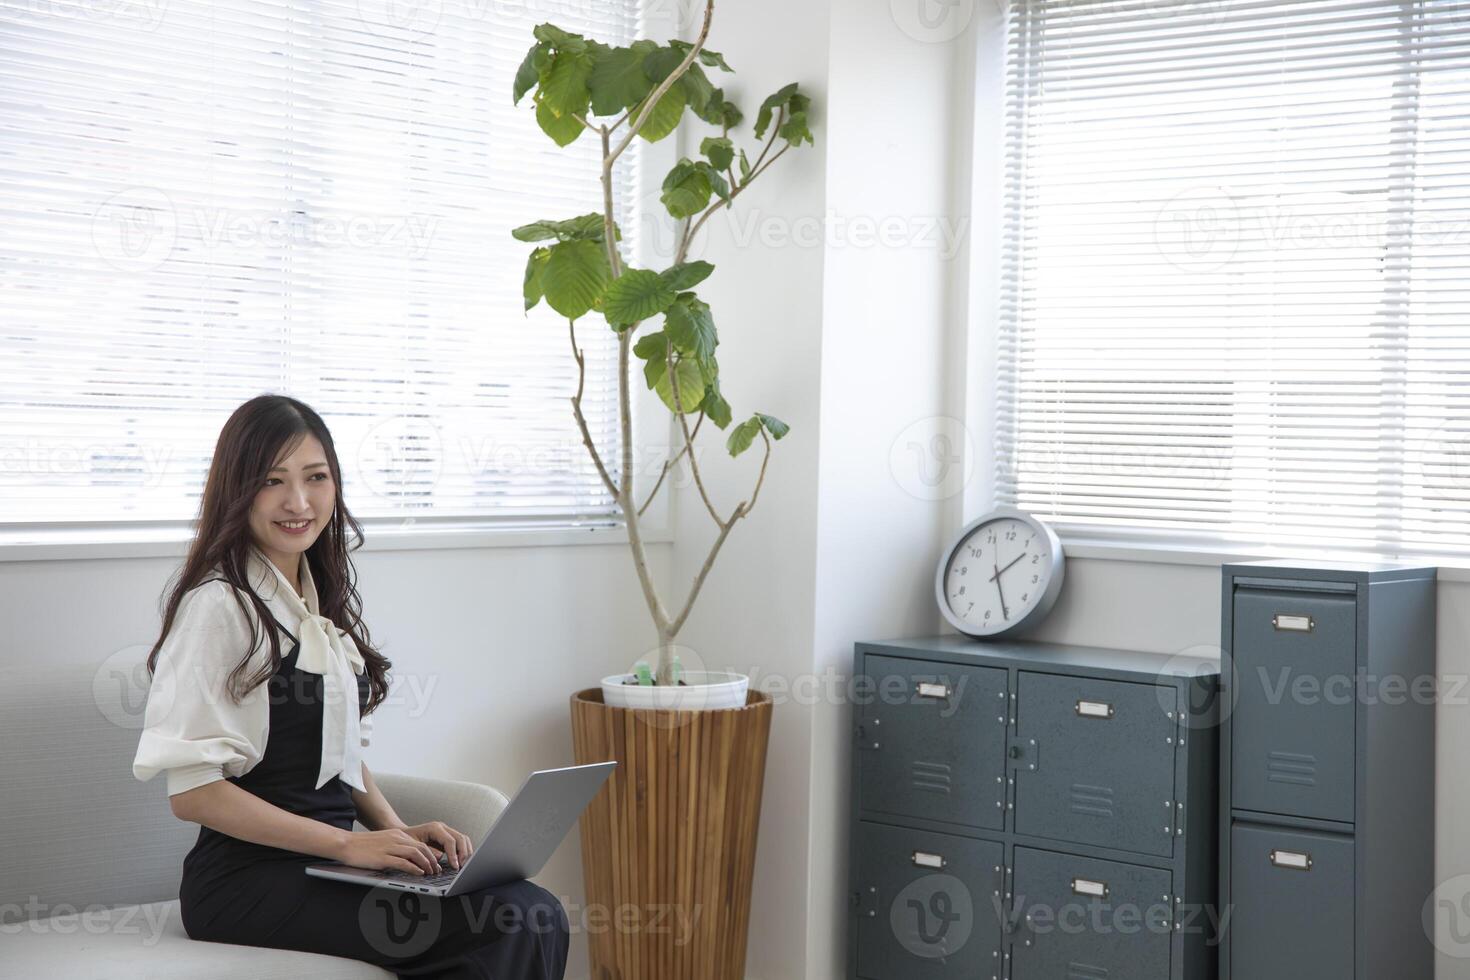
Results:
x,y
194,730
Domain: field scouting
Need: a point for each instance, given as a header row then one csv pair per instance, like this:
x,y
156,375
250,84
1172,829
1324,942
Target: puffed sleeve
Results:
x,y
192,728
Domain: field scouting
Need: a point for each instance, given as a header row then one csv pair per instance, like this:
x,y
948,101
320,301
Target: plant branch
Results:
x,y
742,509
664,86
670,464
673,376
577,410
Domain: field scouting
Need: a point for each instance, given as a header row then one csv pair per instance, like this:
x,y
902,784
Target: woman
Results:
x,y
261,738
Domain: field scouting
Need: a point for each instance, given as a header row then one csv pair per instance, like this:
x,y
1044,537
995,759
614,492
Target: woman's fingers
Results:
x,y
421,855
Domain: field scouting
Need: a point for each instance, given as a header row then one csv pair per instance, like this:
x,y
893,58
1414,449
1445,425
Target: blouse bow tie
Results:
x,y
327,651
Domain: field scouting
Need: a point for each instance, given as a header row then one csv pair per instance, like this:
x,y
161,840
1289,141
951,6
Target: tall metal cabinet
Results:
x,y
1327,770
1031,811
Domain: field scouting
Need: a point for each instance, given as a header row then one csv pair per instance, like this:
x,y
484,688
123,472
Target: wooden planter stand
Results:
x,y
668,846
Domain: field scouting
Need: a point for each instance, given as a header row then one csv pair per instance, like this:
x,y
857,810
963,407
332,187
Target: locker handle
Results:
x,y
1295,860
923,859
927,690
1089,889
1291,623
1094,709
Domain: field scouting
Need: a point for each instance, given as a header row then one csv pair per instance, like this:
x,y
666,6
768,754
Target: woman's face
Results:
x,y
294,503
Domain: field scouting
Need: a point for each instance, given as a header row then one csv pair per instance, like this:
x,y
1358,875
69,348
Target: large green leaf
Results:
x,y
664,118
575,276
691,327
711,58
563,130
714,406
719,149
618,81
686,189
586,227
773,425
535,268
537,60
564,87
742,436
687,275
636,295
559,39
698,88
691,385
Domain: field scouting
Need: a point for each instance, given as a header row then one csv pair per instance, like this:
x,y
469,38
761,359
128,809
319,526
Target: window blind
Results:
x,y
1235,309
205,201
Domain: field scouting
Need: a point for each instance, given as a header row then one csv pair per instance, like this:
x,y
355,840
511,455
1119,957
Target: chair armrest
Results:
x,y
467,807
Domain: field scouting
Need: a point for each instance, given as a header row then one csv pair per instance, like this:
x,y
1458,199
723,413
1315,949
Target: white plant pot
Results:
x,y
702,690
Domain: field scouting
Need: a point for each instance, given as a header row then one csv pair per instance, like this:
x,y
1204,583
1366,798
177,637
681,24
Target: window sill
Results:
x,y
52,544
1105,549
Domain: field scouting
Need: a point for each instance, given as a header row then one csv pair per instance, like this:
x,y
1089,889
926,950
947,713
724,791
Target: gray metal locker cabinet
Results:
x,y
1030,811
1327,770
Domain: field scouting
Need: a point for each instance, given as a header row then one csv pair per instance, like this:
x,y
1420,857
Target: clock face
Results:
x,y
999,575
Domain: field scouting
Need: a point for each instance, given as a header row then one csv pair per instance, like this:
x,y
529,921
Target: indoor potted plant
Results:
x,y
675,828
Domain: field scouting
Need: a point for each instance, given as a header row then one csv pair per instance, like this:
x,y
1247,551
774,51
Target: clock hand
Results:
x,y
1008,565
996,579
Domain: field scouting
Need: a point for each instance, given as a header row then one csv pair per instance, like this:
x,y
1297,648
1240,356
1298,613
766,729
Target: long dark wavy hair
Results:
x,y
257,436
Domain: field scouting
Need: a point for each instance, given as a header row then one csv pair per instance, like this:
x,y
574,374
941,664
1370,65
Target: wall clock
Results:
x,y
1000,575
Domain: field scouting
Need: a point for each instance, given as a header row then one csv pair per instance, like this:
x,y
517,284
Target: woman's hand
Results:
x,y
455,845
381,850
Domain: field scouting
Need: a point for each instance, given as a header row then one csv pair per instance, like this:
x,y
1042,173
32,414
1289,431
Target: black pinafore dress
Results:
x,y
236,891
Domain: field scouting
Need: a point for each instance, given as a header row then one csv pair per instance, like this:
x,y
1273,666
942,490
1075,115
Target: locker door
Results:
x,y
1094,762
1086,918
1294,722
931,742
1291,898
927,905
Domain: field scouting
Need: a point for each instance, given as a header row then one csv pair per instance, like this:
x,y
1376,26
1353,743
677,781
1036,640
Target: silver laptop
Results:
x,y
517,845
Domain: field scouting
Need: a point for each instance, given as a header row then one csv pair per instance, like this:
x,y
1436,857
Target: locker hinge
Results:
x,y
1023,754
866,736
866,901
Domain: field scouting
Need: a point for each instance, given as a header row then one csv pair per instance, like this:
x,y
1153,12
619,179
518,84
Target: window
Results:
x,y
1235,304
211,200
